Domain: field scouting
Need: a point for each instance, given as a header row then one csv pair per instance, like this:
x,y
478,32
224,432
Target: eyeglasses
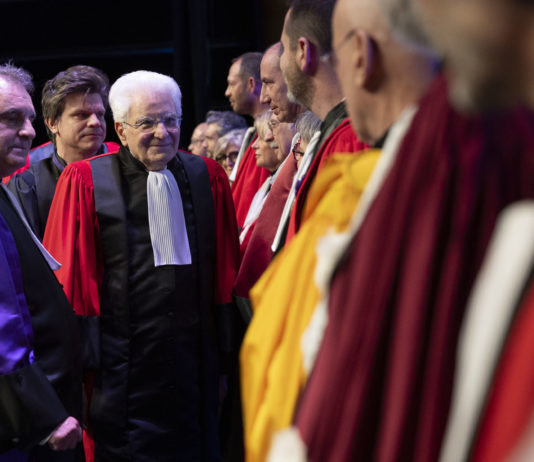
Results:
x,y
231,156
171,122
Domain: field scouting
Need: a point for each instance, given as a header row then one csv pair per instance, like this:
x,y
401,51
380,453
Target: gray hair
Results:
x,y
17,75
262,123
406,25
227,120
307,124
234,137
128,85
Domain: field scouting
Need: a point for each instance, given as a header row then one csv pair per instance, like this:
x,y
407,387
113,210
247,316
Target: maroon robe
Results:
x,y
380,389
258,253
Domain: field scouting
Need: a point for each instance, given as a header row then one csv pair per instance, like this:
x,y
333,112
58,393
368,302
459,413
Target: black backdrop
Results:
x,y
192,40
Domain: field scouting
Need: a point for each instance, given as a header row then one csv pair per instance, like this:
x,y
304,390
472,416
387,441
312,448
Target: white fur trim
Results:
x,y
287,446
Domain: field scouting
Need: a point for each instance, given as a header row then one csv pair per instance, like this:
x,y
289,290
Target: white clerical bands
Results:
x,y
166,220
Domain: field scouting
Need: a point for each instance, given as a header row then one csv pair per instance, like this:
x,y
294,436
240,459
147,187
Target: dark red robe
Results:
x,y
341,139
380,389
258,253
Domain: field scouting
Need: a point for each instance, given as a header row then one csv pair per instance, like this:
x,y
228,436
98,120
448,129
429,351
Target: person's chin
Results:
x,y
19,154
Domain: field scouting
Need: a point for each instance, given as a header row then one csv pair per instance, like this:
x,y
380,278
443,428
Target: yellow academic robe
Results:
x,y
284,299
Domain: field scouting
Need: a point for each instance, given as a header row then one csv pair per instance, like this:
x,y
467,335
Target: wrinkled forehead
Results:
x,y
153,103
14,96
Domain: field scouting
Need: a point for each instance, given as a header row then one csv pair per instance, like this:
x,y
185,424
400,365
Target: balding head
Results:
x,y
274,88
379,74
488,48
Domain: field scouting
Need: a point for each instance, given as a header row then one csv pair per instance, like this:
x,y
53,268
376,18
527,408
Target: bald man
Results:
x,y
383,338
196,145
488,45
379,85
274,88
490,62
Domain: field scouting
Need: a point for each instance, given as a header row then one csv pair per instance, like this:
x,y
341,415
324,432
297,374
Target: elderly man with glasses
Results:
x,y
152,231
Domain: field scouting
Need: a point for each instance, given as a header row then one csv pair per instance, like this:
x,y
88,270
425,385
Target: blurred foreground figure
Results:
x,y
383,343
488,48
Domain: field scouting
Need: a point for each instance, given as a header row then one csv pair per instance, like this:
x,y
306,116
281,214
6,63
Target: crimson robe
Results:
x,y
337,136
258,253
248,180
381,386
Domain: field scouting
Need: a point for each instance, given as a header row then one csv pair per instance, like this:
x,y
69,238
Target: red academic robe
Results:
x,y
381,386
341,140
511,397
73,237
248,180
258,253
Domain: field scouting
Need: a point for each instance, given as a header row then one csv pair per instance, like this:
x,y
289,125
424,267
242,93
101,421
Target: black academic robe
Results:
x,y
34,188
35,399
155,360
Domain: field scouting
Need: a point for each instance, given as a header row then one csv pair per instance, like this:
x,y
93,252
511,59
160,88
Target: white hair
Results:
x,y
234,137
128,85
307,124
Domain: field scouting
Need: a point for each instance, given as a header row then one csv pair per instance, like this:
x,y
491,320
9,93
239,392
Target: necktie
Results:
x,y
166,220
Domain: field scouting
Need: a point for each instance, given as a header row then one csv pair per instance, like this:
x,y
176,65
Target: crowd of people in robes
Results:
x,y
349,278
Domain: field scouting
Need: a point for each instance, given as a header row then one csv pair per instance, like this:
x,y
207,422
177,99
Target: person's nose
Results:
x,y
27,129
160,130
264,95
94,121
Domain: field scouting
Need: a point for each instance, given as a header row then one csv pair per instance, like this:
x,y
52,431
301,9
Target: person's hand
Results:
x,y
66,436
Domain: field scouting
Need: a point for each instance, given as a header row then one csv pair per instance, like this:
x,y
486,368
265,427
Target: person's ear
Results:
x,y
366,61
119,129
307,56
52,125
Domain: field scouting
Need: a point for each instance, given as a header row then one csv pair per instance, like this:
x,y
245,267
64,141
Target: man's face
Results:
x,y
210,138
154,148
299,85
283,134
486,46
16,130
236,91
81,127
197,140
266,151
274,89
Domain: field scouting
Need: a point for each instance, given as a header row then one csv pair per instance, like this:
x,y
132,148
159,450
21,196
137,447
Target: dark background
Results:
x,y
192,40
